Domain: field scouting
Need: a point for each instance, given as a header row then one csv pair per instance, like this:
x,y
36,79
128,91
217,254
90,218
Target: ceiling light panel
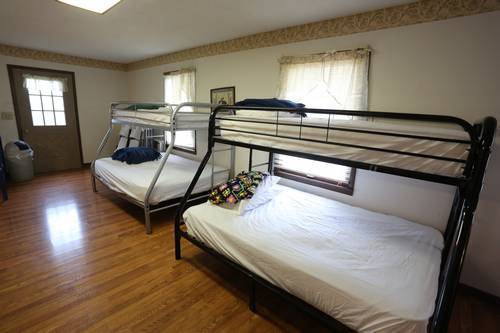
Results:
x,y
96,6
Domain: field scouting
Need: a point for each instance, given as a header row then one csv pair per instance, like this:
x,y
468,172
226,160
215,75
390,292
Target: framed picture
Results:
x,y
224,95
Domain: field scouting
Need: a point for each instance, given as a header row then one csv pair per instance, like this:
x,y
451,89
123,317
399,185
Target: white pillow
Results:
x,y
264,193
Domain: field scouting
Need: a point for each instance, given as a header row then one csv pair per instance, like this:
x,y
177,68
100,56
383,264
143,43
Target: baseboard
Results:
x,y
480,294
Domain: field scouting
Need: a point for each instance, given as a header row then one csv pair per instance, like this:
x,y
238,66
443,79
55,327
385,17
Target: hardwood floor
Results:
x,y
72,260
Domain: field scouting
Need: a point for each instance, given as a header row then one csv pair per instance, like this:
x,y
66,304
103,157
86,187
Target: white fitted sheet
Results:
x,y
134,179
161,117
373,272
421,146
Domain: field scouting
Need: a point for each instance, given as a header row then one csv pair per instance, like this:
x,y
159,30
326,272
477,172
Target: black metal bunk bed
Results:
x,y
467,189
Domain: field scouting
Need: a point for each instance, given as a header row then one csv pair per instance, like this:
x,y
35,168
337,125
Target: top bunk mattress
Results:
x,y
372,272
161,118
133,179
341,133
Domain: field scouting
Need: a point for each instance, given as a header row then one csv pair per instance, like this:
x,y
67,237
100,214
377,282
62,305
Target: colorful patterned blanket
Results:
x,y
241,187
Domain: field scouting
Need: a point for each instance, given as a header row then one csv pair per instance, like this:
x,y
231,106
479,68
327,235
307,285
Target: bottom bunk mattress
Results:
x,y
370,271
133,179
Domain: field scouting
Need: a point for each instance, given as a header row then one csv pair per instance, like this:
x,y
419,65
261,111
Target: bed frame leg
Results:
x,y
251,298
147,220
94,186
177,246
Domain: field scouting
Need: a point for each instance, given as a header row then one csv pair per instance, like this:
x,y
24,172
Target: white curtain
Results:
x,y
180,88
44,84
337,80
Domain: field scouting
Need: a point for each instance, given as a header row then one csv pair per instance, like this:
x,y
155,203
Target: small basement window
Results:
x,y
325,175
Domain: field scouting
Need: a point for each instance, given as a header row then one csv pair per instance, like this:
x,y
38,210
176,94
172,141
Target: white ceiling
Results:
x,y
138,29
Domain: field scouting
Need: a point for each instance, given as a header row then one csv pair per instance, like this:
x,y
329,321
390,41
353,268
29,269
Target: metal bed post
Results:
x,y
252,297
270,163
250,157
173,124
101,147
185,199
147,214
232,162
469,198
212,173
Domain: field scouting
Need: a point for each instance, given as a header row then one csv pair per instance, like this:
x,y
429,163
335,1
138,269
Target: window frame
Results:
x,y
185,149
53,110
181,148
318,181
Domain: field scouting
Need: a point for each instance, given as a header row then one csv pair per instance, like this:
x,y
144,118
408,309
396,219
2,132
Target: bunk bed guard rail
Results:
x,y
468,184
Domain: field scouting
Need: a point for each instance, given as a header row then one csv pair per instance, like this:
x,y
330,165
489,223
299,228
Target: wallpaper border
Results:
x,y
392,17
413,13
21,52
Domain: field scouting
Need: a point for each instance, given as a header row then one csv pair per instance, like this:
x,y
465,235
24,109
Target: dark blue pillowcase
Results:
x,y
136,155
272,102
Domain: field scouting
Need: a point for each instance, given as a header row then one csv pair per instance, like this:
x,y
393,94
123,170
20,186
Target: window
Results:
x,y
326,175
46,100
180,88
337,80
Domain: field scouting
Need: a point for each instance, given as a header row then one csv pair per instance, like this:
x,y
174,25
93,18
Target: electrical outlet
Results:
x,y
7,115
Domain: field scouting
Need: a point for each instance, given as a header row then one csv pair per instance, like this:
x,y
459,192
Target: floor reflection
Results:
x,y
64,224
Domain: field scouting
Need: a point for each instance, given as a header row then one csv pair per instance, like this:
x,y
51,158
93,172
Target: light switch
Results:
x,y
7,115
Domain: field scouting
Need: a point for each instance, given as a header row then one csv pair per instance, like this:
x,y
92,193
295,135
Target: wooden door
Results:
x,y
47,117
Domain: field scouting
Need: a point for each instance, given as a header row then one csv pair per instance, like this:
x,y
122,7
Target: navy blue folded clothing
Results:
x,y
136,155
271,102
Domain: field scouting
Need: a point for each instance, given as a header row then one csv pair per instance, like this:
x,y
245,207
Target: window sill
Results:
x,y
344,188
186,150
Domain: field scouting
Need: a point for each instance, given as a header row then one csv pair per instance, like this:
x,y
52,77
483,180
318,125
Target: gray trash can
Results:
x,y
19,160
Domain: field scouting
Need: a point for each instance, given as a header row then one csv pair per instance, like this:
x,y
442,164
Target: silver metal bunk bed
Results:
x,y
164,117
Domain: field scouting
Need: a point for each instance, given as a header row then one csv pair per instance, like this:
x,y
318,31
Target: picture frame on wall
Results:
x,y
224,95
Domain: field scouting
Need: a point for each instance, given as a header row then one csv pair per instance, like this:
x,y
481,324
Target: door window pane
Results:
x,y
45,87
49,118
37,117
35,102
58,103
47,103
57,92
60,118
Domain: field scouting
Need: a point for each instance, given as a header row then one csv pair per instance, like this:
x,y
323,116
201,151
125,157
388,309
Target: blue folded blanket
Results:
x,y
272,102
136,155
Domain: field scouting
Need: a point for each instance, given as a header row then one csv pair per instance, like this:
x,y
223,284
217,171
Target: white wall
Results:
x,y
95,90
449,67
